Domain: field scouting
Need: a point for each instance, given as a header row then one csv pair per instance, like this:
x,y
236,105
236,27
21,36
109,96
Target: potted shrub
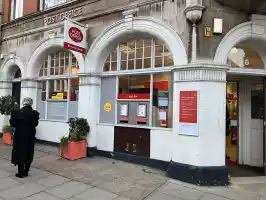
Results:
x,y
7,105
74,145
8,135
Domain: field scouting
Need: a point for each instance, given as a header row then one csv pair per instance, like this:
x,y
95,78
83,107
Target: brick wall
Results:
x,y
6,10
30,6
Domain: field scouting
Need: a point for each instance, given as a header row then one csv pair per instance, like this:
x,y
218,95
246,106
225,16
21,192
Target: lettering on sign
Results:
x,y
61,16
75,34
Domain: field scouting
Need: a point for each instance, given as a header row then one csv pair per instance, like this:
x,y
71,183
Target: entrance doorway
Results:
x,y
244,143
16,86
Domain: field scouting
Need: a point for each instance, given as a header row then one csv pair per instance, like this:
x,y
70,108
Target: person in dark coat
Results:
x,y
25,122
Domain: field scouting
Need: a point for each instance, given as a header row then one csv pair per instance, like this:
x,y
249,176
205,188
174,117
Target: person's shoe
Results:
x,y
19,175
26,174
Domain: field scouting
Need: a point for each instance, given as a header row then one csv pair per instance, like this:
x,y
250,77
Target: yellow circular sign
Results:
x,y
107,107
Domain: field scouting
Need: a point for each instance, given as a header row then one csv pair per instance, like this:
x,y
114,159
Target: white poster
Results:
x,y
75,37
162,115
123,109
189,129
141,110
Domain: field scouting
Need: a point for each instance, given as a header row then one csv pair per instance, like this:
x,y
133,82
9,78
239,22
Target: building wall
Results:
x,y
30,6
231,18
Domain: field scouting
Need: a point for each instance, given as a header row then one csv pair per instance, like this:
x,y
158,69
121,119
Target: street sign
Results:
x,y
75,36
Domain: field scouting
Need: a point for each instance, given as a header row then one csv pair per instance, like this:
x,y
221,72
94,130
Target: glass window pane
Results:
x,y
114,66
106,67
162,115
139,43
123,55
158,51
74,89
168,61
147,52
257,101
129,84
139,63
147,43
139,53
244,57
158,62
58,89
123,65
114,55
147,62
130,64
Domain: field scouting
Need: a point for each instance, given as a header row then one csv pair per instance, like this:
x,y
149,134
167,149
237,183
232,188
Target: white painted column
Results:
x,y
89,105
29,89
208,148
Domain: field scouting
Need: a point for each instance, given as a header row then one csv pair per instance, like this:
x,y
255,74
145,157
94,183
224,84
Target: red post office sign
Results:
x,y
188,102
75,37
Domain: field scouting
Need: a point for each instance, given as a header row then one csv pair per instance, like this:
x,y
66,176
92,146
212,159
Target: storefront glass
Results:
x,y
58,87
142,100
232,135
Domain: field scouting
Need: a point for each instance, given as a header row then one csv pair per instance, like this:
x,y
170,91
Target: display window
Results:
x,y
58,87
141,100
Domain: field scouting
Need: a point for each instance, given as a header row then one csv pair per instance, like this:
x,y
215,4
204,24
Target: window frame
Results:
x,y
64,78
143,47
16,9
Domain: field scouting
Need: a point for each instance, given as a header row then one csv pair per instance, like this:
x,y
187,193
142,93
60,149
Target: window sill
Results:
x,y
53,120
136,126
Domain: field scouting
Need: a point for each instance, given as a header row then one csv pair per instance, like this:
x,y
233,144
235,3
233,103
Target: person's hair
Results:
x,y
27,101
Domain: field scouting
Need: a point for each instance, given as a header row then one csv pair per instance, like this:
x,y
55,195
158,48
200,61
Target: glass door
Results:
x,y
232,123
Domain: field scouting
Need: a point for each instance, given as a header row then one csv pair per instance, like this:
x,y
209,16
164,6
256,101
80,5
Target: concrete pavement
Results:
x,y
52,178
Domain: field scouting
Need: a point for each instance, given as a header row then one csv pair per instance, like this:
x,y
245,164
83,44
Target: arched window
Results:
x,y
139,54
244,57
59,86
142,99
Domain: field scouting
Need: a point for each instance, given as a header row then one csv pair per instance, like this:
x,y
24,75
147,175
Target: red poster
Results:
x,y
188,107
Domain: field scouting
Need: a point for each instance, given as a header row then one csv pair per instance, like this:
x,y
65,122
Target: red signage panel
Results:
x,y
145,96
188,107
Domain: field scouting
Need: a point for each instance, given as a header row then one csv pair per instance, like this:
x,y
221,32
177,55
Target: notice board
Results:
x,y
188,113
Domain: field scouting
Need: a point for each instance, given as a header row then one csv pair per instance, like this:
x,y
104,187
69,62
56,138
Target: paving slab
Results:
x,y
68,190
207,196
161,196
180,191
52,181
22,191
42,196
95,194
4,173
8,182
233,194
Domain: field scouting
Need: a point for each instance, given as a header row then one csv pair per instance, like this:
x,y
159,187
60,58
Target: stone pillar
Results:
x,y
5,89
89,105
29,89
200,158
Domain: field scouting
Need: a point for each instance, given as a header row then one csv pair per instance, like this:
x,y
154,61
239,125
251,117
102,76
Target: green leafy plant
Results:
x,y
7,105
8,129
78,131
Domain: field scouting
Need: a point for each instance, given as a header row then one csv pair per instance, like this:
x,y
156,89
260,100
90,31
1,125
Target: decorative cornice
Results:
x,y
200,72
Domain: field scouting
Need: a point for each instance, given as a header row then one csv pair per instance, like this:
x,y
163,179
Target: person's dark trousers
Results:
x,y
20,173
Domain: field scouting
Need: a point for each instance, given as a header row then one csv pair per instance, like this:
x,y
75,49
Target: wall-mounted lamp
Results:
x,y
217,26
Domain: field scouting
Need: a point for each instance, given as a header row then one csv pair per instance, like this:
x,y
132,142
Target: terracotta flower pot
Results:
x,y
74,150
8,138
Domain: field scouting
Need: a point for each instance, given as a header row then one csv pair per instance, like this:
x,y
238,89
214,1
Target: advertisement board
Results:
x,y
75,36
